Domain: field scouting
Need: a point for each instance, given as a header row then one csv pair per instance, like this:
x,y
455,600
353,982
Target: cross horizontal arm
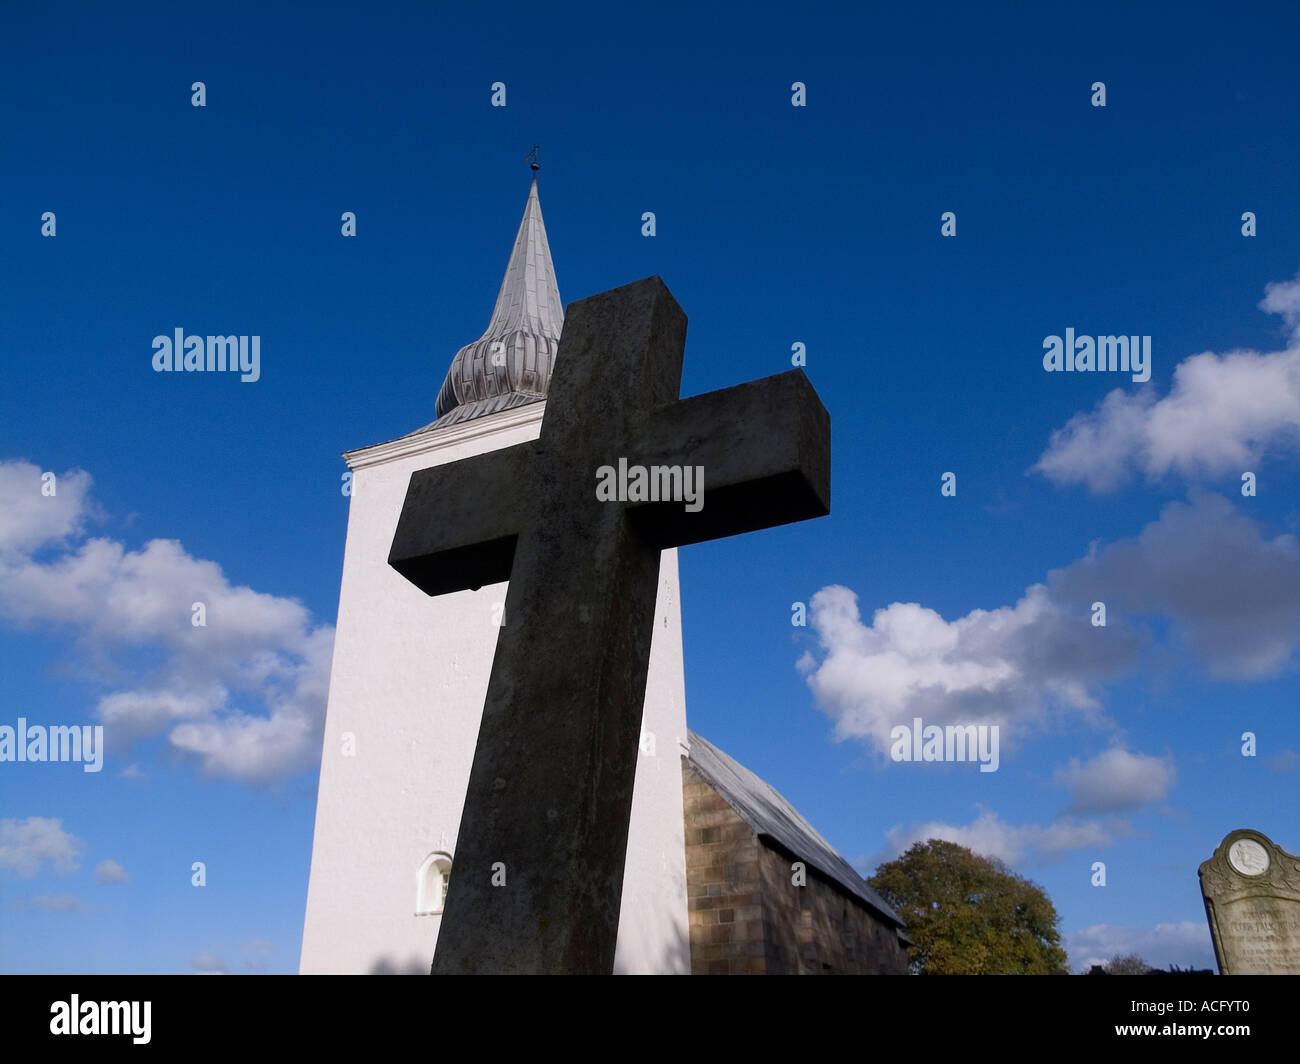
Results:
x,y
765,450
460,521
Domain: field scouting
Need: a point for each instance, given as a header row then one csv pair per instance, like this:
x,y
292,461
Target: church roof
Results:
x,y
763,808
512,362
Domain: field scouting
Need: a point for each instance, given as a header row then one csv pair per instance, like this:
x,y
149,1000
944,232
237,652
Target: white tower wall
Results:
x,y
409,677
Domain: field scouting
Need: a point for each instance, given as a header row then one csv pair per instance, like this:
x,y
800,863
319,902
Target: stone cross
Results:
x,y
1251,888
538,873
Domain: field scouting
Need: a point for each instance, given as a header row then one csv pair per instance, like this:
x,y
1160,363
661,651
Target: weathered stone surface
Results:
x,y
757,922
1251,888
540,853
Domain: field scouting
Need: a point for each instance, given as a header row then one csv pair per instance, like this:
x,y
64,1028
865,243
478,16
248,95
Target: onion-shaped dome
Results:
x,y
512,362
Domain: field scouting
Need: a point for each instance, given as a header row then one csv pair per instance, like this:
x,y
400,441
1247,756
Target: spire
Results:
x,y
511,363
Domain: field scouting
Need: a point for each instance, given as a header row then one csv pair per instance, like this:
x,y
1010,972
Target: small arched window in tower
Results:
x,y
431,884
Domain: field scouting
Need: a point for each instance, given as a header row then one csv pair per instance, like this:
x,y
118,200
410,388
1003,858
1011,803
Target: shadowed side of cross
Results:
x,y
540,854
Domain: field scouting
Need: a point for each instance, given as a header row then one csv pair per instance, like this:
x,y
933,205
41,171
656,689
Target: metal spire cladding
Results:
x,y
512,362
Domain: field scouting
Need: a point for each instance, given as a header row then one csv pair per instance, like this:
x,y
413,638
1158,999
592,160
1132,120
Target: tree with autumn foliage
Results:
x,y
970,915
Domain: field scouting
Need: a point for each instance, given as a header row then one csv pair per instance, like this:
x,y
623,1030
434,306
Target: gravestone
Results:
x,y
538,871
1251,888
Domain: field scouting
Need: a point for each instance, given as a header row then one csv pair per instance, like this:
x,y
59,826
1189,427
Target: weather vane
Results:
x,y
531,159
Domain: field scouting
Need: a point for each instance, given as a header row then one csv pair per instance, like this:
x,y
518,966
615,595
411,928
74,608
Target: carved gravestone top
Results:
x,y
1251,888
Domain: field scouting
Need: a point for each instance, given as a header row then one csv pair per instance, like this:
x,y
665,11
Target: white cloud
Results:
x,y
1114,780
110,871
130,613
26,845
132,713
57,903
1222,414
1283,297
1285,761
246,746
1186,944
1232,595
257,955
990,836
30,519
208,964
997,666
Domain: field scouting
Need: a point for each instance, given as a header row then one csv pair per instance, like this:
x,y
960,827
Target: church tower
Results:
x,y
410,673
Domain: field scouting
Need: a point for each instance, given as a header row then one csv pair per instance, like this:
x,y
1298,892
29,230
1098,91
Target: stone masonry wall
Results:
x,y
747,917
817,930
723,899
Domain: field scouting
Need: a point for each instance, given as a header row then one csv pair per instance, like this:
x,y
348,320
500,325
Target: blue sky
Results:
x,y
775,224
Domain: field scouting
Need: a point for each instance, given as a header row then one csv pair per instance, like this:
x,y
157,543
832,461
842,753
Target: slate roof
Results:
x,y
763,808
